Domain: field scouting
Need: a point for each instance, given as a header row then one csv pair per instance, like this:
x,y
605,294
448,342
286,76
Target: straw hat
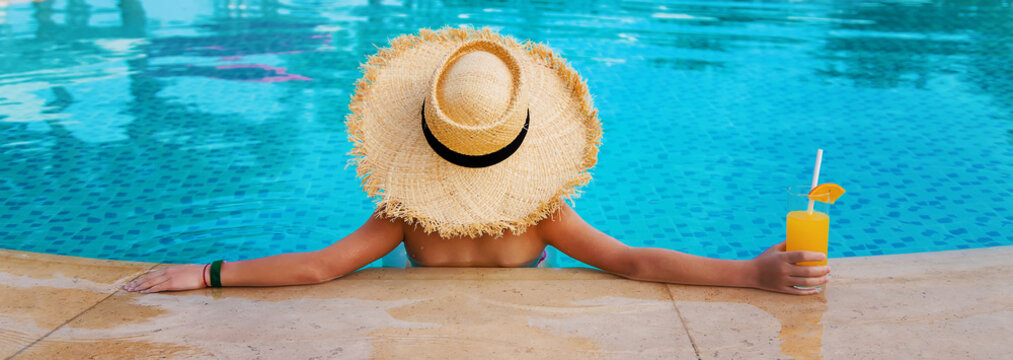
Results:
x,y
468,133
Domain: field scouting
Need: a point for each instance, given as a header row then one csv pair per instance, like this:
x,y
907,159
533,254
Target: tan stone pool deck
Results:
x,y
944,305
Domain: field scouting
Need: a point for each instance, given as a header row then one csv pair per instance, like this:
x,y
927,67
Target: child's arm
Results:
x,y
374,239
772,270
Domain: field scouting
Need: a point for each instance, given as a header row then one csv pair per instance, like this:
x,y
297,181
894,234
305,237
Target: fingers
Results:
x,y
166,285
800,256
776,248
808,271
131,285
150,282
807,277
144,287
146,281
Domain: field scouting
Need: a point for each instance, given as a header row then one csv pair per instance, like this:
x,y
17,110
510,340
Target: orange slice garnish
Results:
x,y
828,193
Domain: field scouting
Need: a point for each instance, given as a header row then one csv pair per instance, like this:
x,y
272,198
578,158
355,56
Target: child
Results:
x,y
472,141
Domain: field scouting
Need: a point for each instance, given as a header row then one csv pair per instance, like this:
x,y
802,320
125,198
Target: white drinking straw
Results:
x,y
816,175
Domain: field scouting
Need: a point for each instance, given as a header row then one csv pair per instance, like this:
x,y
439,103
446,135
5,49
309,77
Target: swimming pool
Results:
x,y
190,130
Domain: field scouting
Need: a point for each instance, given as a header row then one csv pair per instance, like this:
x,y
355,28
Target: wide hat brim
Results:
x,y
415,184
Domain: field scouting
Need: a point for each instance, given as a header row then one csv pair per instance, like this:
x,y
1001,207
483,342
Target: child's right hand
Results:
x,y
776,270
173,278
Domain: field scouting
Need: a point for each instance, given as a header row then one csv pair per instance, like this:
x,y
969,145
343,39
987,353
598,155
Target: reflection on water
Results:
x,y
184,130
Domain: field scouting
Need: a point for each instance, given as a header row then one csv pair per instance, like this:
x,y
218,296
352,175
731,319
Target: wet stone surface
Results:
x,y
921,305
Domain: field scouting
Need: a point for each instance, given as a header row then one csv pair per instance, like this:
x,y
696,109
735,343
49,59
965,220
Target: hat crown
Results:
x,y
476,89
477,102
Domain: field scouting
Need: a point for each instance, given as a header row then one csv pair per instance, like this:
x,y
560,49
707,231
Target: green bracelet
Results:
x,y
216,273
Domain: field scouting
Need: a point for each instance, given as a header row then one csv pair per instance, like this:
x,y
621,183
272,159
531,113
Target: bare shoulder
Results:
x,y
378,224
564,224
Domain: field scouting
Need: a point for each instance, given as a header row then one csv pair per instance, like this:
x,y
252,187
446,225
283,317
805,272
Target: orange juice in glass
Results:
x,y
808,223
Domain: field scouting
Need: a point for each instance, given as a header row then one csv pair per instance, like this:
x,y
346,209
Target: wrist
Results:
x,y
215,273
205,280
749,273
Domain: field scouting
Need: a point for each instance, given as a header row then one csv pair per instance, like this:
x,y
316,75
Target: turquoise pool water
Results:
x,y
190,130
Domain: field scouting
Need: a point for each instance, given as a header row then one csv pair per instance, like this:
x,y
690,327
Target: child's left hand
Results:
x,y
776,270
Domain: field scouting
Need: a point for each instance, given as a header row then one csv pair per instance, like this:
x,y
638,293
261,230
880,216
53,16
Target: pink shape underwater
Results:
x,y
281,74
